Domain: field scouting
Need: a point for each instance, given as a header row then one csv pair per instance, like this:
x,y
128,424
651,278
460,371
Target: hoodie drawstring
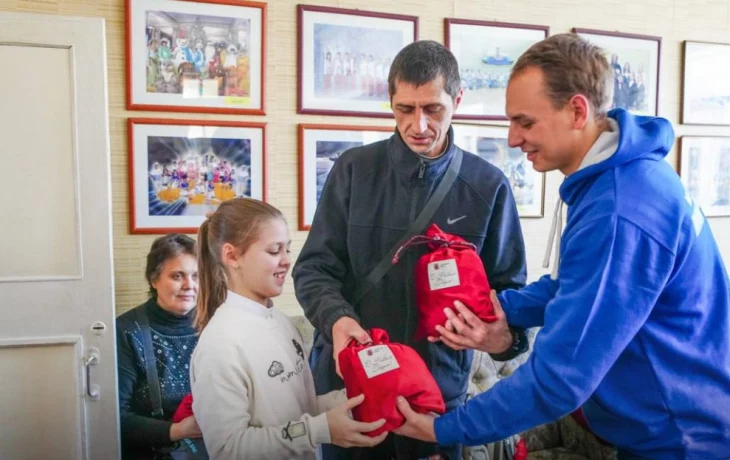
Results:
x,y
557,226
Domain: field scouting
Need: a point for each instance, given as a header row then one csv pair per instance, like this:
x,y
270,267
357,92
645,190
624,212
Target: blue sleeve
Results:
x,y
525,307
611,274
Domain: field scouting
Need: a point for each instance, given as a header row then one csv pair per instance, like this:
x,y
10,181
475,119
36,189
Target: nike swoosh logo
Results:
x,y
453,221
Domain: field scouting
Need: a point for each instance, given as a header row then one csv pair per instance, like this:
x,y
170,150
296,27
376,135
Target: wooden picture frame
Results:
x,y
486,52
319,146
705,85
206,56
181,169
636,60
343,59
704,168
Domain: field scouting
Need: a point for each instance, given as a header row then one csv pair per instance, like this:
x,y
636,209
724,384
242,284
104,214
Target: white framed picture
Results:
x,y
179,170
486,52
704,167
344,58
635,60
706,88
196,56
319,147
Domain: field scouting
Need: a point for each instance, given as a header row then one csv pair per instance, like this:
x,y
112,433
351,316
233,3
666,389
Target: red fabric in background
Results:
x,y
473,289
411,379
184,410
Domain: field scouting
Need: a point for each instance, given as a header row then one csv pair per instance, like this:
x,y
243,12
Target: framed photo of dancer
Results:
x,y
319,147
181,169
344,58
196,56
704,167
635,61
490,143
486,52
706,89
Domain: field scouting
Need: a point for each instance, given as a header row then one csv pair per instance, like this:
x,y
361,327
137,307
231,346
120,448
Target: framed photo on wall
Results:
x,y
706,89
344,58
196,56
490,143
704,167
635,61
319,147
181,169
486,53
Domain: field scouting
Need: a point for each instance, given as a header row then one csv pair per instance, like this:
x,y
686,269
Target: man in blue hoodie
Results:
x,y
635,321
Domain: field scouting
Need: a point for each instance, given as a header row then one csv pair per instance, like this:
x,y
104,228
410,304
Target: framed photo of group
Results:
x,y
196,56
344,58
319,147
181,169
635,60
704,167
490,143
486,53
706,89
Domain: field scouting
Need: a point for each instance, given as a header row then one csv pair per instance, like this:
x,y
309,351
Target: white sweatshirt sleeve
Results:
x,y
331,400
221,392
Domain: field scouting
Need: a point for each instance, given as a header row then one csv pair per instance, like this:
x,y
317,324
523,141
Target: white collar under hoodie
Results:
x,y
604,147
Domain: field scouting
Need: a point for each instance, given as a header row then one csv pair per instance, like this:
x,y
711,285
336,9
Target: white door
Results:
x,y
56,283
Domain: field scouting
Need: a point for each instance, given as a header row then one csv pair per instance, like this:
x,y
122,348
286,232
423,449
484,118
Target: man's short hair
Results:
x,y
422,62
571,65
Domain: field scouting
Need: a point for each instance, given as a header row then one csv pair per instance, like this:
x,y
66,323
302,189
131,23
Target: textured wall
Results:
x,y
674,20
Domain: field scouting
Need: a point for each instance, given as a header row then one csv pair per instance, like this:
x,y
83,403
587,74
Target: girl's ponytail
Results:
x,y
212,279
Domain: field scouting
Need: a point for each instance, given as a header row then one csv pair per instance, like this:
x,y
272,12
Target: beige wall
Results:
x,y
674,20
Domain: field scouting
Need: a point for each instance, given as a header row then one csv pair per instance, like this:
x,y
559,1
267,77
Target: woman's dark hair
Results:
x,y
163,249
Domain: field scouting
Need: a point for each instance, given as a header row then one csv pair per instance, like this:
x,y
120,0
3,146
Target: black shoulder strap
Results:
x,y
149,360
416,227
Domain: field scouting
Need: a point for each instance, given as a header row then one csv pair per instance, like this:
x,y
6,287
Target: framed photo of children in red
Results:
x,y
635,62
196,56
181,169
319,147
344,58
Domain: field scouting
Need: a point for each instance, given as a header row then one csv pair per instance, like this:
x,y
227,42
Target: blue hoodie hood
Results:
x,y
640,137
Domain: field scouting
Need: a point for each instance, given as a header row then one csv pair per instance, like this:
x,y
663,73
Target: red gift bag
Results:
x,y
451,271
383,371
184,410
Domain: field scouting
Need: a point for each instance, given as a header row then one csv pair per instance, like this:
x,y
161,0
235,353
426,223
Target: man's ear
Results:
x,y
581,110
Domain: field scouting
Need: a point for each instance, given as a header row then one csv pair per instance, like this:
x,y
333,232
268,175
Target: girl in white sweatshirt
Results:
x,y
253,393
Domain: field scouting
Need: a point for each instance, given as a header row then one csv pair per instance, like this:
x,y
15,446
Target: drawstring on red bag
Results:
x,y
451,270
434,242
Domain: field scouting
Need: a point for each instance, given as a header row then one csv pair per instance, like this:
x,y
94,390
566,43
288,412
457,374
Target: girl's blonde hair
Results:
x,y
236,222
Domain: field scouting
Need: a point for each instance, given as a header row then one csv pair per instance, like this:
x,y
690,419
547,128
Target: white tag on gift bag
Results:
x,y
443,274
377,360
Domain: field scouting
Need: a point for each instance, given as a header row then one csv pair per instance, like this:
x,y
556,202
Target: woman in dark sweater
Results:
x,y
172,274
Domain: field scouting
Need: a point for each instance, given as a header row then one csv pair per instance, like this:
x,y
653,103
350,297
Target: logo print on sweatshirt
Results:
x,y
275,369
298,347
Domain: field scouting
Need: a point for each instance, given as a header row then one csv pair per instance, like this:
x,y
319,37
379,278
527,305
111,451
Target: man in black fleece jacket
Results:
x,y
371,196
